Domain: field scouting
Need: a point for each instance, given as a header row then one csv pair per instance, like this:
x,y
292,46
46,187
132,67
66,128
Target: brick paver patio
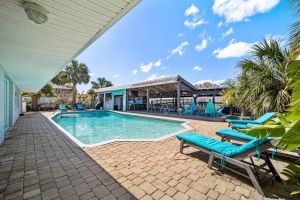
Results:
x,y
38,162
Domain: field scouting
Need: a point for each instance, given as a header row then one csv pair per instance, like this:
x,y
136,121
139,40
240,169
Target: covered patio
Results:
x,y
166,94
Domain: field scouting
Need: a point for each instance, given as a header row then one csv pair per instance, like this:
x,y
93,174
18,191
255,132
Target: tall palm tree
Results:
x,y
101,82
262,83
75,73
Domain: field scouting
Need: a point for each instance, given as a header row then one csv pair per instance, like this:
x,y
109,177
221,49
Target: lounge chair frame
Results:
x,y
228,138
239,160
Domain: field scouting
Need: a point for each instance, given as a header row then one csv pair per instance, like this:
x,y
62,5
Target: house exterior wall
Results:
x,y
14,103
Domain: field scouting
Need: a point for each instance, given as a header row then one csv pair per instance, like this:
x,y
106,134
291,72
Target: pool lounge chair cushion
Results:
x,y
260,120
234,134
243,126
223,148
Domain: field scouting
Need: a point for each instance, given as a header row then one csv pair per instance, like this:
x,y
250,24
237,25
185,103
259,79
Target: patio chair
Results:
x,y
79,106
210,110
237,155
261,120
62,107
190,110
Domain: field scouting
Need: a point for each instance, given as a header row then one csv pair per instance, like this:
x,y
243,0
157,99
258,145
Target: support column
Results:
x,y
104,108
112,101
147,90
125,100
178,96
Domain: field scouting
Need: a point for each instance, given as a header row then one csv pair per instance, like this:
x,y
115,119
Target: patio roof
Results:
x,y
150,83
32,54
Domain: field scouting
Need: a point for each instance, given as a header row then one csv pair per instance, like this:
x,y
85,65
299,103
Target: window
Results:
x,y
17,97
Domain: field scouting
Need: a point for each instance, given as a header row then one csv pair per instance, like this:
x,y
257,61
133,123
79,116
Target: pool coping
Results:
x,y
186,127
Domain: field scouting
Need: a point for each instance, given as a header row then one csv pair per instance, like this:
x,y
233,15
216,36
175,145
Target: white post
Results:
x,y
104,105
178,97
124,100
147,89
112,101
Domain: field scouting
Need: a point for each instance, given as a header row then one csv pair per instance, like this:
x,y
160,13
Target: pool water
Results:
x,y
93,127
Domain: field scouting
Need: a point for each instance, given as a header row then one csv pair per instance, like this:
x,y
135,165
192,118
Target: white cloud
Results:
x,y
179,50
197,68
228,32
220,24
203,44
234,49
91,74
280,38
217,82
147,67
154,76
116,76
134,72
180,35
192,10
192,24
239,10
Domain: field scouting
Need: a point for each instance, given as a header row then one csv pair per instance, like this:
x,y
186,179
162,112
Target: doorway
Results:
x,y
118,102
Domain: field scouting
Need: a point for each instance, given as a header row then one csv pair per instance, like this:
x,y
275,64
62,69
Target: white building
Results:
x,y
38,40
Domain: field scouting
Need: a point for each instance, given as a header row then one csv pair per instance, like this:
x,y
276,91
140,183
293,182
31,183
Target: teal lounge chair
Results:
x,y
259,121
243,126
228,134
235,155
190,110
79,106
62,107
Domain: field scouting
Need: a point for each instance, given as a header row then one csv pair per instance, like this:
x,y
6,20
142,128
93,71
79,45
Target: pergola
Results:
x,y
165,87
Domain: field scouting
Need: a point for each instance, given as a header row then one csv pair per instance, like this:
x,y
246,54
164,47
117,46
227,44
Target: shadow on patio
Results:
x,y
38,162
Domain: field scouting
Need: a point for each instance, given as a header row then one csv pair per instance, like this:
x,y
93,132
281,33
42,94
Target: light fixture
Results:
x,y
36,12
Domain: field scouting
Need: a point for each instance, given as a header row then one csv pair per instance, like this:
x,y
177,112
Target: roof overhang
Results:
x,y
167,80
32,54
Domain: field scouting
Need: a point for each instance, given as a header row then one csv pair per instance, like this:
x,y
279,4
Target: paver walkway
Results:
x,y
37,161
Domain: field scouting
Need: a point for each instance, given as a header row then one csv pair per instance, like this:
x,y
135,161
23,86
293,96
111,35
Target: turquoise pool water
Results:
x,y
101,126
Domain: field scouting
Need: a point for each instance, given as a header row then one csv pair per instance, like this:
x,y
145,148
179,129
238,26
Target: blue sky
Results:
x,y
200,40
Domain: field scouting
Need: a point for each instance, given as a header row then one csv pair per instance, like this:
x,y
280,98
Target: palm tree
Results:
x,y
92,95
262,83
295,28
75,73
101,83
230,94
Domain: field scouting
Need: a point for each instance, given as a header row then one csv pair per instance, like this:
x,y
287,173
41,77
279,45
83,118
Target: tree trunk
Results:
x,y
230,110
34,102
74,94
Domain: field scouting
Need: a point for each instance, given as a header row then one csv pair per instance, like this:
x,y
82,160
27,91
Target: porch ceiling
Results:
x,y
32,54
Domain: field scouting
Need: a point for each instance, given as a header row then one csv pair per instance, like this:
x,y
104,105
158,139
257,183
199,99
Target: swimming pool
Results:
x,y
99,127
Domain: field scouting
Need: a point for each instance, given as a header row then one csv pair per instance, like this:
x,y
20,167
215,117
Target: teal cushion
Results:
x,y
236,134
243,126
265,117
223,148
239,121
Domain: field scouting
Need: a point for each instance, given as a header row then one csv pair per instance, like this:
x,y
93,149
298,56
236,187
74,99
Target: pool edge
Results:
x,y
186,127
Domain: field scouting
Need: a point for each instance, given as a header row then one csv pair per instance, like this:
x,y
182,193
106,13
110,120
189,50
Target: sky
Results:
x,y
199,40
